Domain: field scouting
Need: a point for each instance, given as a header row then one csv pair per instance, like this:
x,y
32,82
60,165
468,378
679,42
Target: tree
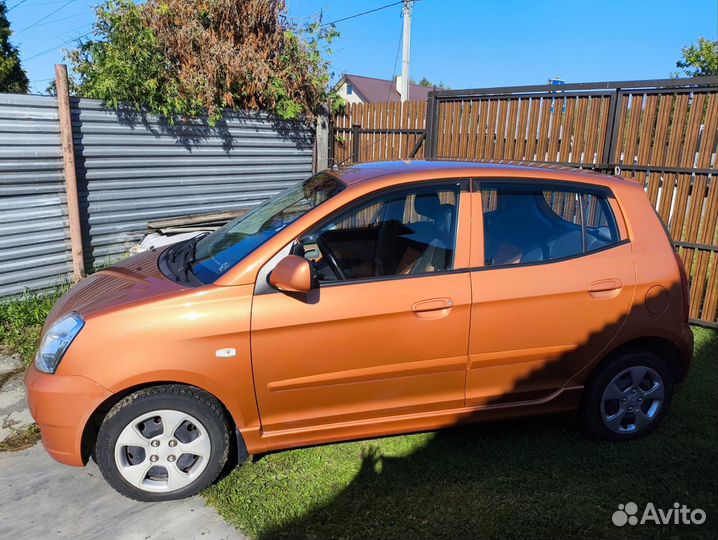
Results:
x,y
700,59
73,88
427,83
12,76
187,57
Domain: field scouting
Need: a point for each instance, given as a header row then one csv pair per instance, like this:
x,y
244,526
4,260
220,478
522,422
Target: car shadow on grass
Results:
x,y
530,478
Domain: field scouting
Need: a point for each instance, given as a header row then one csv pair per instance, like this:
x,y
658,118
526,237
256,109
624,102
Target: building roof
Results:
x,y
373,90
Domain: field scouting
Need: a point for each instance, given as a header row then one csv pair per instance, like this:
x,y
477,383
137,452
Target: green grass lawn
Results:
x,y
21,319
532,478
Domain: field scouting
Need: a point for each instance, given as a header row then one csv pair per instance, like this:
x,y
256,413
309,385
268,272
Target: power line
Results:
x,y
362,13
34,45
14,6
54,47
352,156
63,6
66,17
396,61
45,3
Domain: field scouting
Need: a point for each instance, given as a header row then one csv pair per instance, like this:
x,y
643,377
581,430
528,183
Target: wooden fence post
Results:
x,y
609,150
321,143
356,148
68,155
431,130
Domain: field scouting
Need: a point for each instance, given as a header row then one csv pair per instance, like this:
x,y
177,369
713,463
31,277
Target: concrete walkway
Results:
x,y
40,498
14,415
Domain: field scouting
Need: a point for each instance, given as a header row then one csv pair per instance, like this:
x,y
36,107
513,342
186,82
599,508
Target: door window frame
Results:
x,y
463,188
462,234
478,261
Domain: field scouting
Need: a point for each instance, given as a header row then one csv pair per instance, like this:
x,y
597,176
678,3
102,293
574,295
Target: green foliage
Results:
x,y
700,59
12,76
22,439
125,64
338,104
428,84
74,88
21,319
181,58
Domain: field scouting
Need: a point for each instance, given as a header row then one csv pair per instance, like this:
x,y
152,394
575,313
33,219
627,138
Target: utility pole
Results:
x,y
406,51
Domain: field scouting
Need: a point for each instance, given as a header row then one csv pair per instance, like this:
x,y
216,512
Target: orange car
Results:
x,y
371,300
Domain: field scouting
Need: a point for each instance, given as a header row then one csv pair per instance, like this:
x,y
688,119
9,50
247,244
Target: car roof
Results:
x,y
410,170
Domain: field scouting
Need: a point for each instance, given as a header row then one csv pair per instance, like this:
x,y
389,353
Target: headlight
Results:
x,y
56,341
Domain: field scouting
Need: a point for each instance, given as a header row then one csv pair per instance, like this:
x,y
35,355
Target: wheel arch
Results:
x,y
92,426
661,347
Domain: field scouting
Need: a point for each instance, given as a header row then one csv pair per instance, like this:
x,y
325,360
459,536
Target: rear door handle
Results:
x,y
605,285
605,289
432,304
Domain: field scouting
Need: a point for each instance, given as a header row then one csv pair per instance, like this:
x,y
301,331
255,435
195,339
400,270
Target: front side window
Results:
x,y
539,223
221,250
406,232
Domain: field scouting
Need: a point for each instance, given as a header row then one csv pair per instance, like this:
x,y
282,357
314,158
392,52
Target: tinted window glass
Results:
x,y
530,224
400,233
219,251
601,229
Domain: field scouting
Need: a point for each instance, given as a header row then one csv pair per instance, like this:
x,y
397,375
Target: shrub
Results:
x,y
182,58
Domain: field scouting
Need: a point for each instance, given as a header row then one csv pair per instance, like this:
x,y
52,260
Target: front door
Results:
x,y
555,284
386,331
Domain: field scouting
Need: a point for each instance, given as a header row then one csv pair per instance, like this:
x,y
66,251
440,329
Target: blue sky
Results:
x,y
463,43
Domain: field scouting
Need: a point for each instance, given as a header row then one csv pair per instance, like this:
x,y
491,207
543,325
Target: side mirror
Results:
x,y
292,274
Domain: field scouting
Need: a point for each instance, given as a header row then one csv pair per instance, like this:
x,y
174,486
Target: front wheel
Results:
x,y
627,397
162,443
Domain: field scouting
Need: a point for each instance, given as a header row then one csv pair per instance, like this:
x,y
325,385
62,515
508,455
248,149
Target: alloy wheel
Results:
x,y
632,400
162,451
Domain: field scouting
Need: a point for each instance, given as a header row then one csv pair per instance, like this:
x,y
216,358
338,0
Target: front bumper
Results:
x,y
61,405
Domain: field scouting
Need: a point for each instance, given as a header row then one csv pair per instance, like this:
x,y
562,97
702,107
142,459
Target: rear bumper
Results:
x,y
61,405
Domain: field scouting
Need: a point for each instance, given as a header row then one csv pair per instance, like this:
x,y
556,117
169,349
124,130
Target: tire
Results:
x,y
150,460
615,407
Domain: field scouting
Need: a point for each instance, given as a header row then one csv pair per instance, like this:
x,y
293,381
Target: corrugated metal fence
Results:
x,y
34,236
131,169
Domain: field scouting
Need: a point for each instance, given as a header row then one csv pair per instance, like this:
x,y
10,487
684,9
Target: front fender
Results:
x,y
174,340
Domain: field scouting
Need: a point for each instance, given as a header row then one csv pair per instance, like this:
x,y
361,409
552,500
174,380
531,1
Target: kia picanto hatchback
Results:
x,y
371,300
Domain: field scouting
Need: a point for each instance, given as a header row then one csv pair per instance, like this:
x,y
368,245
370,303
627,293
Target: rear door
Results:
x,y
554,283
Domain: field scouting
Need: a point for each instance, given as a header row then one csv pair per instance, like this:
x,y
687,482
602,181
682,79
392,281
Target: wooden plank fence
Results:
x,y
378,132
663,134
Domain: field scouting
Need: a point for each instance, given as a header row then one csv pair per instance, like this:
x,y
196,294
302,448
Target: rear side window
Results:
x,y
539,223
601,228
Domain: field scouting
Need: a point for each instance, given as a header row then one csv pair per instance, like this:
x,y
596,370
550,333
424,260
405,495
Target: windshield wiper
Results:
x,y
178,261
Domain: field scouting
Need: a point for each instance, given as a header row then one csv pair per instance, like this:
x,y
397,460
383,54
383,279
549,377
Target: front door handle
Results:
x,y
432,304
605,288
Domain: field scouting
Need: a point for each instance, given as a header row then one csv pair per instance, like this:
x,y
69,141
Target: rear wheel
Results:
x,y
627,397
161,443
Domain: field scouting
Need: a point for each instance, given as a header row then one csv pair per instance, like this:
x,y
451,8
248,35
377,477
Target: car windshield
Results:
x,y
216,253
